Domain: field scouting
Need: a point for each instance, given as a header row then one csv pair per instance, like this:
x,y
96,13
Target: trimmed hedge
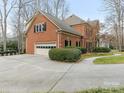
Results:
x,y
10,52
101,49
83,50
65,54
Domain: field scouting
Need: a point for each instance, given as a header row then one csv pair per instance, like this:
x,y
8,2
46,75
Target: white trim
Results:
x,y
49,42
26,44
58,40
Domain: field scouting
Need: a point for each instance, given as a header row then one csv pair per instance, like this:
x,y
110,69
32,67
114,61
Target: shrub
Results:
x,y
111,47
65,54
83,50
101,49
70,47
1,53
8,52
12,45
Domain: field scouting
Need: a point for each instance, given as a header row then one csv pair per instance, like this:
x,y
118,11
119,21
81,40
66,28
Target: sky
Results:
x,y
87,9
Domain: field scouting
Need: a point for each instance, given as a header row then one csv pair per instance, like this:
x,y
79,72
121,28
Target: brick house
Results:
x,y
44,31
88,30
95,31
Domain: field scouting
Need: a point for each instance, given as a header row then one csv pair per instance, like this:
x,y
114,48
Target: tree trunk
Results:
x,y
18,27
4,28
57,8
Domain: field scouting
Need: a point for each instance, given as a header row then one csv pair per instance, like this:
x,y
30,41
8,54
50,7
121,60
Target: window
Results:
x,y
40,27
76,44
44,26
66,43
45,47
79,44
36,28
70,42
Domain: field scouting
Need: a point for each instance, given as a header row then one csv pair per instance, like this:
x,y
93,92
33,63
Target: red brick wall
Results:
x,y
95,32
49,35
68,37
82,28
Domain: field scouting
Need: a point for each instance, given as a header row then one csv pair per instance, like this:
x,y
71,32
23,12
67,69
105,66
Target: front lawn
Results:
x,y
101,90
88,55
110,60
97,90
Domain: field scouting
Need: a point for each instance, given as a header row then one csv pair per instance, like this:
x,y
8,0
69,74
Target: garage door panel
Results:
x,y
43,49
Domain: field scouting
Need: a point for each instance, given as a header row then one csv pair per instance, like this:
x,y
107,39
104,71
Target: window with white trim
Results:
x,y
41,27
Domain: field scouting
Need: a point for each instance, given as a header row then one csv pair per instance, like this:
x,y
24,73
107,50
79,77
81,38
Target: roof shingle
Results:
x,y
61,24
73,20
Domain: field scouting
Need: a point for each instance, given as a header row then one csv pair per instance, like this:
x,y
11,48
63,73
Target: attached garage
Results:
x,y
44,32
43,48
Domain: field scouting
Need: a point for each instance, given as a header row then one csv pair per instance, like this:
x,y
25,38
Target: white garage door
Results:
x,y
43,49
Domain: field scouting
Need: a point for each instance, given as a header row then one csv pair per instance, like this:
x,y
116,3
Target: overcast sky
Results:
x,y
87,9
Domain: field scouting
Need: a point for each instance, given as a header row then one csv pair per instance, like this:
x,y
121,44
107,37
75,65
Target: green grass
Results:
x,y
103,90
116,52
88,55
110,60
48,92
96,90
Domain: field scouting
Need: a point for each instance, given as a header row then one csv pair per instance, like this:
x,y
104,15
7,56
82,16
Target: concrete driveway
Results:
x,y
35,73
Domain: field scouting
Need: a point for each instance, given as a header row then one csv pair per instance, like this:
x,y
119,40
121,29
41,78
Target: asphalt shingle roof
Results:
x,y
73,20
65,27
61,24
93,23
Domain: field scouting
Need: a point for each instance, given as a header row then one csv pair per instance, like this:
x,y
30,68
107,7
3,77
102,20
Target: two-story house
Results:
x,y
88,29
44,31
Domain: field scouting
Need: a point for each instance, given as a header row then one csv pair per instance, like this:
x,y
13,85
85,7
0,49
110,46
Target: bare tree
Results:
x,y
60,8
65,10
115,8
4,13
57,8
23,11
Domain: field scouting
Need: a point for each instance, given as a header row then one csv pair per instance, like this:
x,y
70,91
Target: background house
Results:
x,y
89,30
107,40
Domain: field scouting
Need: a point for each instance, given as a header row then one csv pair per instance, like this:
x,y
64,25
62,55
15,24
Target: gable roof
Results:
x,y
73,20
59,23
93,23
